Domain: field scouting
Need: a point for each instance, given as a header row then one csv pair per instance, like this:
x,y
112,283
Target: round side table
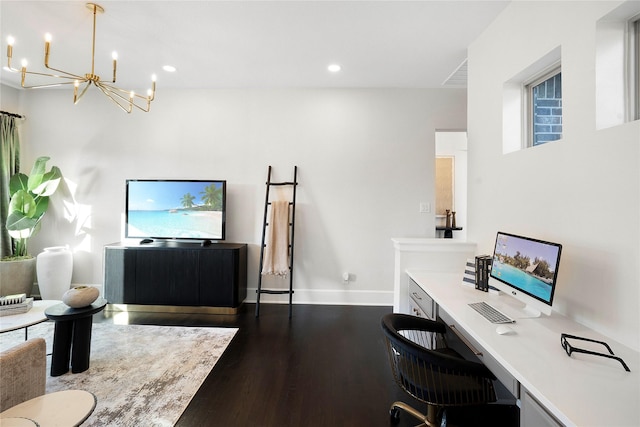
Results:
x,y
62,408
72,336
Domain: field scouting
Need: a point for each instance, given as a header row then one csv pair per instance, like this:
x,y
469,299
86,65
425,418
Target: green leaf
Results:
x,y
18,182
42,204
37,172
22,203
49,184
20,224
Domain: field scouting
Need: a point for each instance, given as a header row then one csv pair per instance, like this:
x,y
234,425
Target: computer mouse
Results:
x,y
504,330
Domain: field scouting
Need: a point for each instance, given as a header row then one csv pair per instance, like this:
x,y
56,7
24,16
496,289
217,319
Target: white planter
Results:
x,y
54,268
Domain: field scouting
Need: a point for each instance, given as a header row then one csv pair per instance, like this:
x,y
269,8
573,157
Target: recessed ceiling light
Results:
x,y
169,68
334,68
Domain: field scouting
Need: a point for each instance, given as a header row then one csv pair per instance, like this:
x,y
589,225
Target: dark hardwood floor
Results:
x,y
326,366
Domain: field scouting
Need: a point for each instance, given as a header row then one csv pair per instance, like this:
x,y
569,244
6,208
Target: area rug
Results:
x,y
141,375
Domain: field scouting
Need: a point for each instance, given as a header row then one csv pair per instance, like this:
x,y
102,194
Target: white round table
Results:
x,y
30,318
62,408
17,422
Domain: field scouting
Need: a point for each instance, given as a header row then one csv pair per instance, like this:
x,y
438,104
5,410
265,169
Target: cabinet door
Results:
x,y
167,277
533,414
119,275
218,278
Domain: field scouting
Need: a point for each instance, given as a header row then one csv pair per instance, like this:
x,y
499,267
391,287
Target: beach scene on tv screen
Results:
x,y
175,209
526,264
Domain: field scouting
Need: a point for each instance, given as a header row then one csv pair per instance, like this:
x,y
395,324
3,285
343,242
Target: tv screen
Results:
x,y
175,209
527,265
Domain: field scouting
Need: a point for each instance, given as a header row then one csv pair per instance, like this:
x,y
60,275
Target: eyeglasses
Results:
x,y
571,349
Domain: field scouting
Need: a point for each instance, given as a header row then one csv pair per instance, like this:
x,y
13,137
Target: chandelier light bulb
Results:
x,y
24,63
10,42
153,77
47,37
114,55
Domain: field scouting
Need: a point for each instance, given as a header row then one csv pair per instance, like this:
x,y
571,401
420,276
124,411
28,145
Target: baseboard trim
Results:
x,y
171,309
326,297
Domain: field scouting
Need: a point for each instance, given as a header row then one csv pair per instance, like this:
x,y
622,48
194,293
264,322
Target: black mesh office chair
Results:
x,y
440,377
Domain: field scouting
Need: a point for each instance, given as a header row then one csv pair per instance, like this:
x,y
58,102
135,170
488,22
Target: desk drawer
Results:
x,y
510,383
422,300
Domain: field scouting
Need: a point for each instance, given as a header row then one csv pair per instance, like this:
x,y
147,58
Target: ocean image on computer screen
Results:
x,y
525,264
190,209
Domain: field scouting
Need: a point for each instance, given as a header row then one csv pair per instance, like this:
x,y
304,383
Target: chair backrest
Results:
x,y
23,372
441,376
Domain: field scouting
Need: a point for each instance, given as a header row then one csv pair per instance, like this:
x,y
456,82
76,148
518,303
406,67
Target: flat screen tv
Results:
x,y
527,269
176,209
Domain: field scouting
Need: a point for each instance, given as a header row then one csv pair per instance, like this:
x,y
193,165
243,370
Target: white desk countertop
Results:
x,y
581,390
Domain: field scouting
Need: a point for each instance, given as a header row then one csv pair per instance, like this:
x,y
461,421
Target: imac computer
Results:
x,y
526,269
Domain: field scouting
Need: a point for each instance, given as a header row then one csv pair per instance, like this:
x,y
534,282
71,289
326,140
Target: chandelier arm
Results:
x,y
126,92
116,91
107,93
148,99
146,110
131,101
67,76
76,98
47,85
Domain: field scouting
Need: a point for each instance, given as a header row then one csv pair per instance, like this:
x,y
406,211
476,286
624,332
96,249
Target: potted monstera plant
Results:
x,y
29,201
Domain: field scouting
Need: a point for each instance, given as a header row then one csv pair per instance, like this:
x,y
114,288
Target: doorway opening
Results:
x,y
451,181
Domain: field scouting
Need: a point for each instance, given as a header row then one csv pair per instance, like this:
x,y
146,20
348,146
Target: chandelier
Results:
x,y
125,99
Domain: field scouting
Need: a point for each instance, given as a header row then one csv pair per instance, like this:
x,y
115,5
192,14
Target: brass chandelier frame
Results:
x,y
124,99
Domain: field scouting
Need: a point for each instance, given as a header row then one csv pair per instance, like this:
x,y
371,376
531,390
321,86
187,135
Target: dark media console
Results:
x,y
171,274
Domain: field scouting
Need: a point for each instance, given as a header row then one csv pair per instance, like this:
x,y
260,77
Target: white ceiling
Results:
x,y
250,44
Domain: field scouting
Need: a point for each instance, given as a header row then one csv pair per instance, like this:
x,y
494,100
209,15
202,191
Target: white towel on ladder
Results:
x,y
276,251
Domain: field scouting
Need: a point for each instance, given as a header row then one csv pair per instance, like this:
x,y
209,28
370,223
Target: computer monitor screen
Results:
x,y
527,269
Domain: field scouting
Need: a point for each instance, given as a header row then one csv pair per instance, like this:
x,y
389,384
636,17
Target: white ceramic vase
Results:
x,y
54,267
80,296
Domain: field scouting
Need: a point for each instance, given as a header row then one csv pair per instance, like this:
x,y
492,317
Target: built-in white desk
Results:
x,y
581,390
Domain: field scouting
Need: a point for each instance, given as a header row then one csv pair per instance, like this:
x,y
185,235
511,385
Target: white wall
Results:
x,y
582,191
363,158
9,99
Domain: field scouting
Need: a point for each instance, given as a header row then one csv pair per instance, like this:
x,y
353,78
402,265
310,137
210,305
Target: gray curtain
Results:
x,y
10,163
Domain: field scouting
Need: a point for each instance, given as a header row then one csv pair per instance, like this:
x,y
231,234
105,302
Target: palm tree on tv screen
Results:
x,y
187,200
212,197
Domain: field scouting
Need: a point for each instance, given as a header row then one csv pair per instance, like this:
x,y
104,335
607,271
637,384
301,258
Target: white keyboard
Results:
x,y
490,313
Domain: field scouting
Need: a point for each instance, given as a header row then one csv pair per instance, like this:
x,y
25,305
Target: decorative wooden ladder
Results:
x,y
265,224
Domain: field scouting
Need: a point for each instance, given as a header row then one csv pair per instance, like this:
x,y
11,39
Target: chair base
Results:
x,y
431,419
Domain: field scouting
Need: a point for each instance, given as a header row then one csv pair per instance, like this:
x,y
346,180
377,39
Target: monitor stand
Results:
x,y
519,310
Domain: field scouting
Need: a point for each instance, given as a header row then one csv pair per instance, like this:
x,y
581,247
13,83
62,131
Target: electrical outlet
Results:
x,y
425,207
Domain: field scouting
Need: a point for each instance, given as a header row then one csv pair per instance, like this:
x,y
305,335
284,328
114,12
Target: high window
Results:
x,y
544,108
618,66
532,104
